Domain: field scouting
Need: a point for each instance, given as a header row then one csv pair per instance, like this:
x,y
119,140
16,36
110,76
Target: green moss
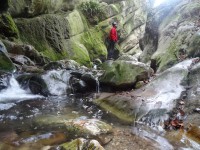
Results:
x,y
119,113
92,11
80,54
7,26
81,144
5,63
93,41
169,58
121,73
76,24
50,53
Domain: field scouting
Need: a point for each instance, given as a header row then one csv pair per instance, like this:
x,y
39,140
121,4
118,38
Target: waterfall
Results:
x,y
57,81
97,86
14,92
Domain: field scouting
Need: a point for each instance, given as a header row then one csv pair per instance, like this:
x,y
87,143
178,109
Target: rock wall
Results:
x,y
60,29
173,35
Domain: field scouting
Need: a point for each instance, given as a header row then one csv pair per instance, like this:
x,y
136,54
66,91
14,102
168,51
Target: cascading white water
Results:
x,y
57,81
15,93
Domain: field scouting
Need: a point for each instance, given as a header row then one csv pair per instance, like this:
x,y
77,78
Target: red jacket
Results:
x,y
113,34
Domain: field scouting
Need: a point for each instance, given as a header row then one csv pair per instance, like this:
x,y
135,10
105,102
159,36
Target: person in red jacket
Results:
x,y
113,39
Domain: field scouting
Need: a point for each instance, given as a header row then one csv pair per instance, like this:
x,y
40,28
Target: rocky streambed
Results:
x,y
122,120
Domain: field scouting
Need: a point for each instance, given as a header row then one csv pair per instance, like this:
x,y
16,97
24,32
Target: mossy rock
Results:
x,y
82,144
74,127
123,74
167,58
80,54
93,41
117,107
5,63
8,27
50,35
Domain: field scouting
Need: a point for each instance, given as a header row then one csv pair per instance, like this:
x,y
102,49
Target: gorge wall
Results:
x,y
62,29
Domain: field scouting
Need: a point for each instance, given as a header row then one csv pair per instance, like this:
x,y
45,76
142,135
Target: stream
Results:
x,y
20,108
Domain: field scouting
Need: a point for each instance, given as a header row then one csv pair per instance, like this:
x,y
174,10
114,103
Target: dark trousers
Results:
x,y
111,49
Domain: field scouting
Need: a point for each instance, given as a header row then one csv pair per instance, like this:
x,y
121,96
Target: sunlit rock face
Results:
x,y
173,33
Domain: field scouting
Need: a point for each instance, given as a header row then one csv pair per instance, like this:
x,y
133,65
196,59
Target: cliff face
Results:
x,y
75,29
172,34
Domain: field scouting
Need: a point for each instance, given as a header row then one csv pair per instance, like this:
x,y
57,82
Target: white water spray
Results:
x,y
15,93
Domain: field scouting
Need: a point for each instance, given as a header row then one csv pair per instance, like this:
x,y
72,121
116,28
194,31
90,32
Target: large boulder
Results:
x,y
124,74
5,63
26,50
150,102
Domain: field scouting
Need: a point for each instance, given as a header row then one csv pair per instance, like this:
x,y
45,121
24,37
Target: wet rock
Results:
x,y
21,60
82,82
32,69
82,144
42,139
73,127
151,101
70,64
57,81
77,74
89,80
62,64
124,74
35,83
78,86
26,50
53,66
128,58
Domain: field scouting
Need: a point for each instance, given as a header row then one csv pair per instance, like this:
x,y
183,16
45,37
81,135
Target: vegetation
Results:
x,y
93,11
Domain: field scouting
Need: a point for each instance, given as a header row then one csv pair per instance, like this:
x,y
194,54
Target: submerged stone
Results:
x,y
74,127
82,144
